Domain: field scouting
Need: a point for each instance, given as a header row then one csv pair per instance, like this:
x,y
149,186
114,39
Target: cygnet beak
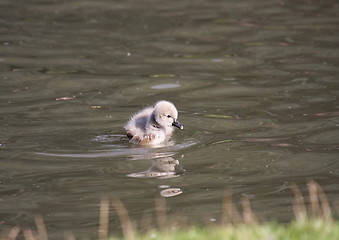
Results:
x,y
177,124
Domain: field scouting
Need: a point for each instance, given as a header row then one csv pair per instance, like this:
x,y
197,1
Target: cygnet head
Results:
x,y
166,115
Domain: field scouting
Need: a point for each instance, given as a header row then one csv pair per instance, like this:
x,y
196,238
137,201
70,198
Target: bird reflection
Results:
x,y
163,167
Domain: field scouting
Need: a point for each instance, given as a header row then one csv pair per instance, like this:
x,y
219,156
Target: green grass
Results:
x,y
313,221
309,230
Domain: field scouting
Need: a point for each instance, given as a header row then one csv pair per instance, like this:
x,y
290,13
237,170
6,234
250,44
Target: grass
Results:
x,y
313,221
310,230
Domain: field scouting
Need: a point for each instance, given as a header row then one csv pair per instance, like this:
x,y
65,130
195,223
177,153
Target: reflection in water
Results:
x,y
171,192
163,167
166,167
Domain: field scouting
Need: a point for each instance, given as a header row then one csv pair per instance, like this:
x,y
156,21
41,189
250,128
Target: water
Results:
x,y
255,82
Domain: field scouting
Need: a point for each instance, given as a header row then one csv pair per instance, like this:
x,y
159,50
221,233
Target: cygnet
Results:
x,y
153,125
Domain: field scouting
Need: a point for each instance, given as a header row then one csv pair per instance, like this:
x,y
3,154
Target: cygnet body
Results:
x,y
153,125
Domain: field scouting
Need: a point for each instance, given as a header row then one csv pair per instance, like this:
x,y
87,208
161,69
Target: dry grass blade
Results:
x,y
160,206
146,222
124,219
314,200
13,233
298,205
28,234
104,215
230,212
319,203
39,222
248,215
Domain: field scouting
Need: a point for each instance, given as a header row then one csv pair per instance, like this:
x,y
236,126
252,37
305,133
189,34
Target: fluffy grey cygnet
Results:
x,y
153,125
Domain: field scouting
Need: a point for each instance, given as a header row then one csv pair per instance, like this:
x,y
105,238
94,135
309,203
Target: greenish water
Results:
x,y
255,82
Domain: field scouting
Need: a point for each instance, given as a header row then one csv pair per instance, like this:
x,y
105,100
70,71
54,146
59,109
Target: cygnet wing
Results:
x,y
136,126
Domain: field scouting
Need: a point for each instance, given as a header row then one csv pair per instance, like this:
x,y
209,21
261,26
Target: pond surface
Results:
x,y
256,84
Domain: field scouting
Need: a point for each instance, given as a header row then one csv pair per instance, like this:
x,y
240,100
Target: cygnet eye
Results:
x,y
169,116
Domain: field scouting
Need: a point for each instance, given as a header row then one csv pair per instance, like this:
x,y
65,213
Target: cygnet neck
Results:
x,y
153,121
